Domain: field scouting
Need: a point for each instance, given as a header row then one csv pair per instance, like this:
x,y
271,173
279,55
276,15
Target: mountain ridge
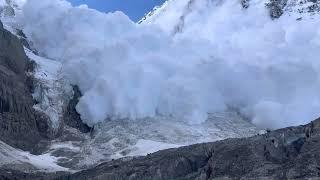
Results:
x,y
297,8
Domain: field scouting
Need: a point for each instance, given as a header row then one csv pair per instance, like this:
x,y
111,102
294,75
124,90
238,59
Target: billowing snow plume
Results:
x,y
223,57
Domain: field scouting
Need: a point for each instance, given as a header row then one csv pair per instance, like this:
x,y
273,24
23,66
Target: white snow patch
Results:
x,y
44,162
65,145
3,3
12,157
144,147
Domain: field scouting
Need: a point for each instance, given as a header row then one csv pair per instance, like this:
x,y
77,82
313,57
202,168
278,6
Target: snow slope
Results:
x,y
24,161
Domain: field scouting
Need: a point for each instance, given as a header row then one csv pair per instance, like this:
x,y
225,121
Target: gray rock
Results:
x,y
245,3
20,125
71,117
290,153
8,174
276,8
6,11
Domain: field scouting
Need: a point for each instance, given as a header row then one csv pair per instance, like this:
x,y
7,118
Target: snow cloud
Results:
x,y
225,57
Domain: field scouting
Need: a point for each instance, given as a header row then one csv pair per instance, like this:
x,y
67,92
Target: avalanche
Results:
x,y
208,56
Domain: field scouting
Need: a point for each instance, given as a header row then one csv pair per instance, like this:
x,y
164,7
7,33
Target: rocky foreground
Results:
x,y
290,153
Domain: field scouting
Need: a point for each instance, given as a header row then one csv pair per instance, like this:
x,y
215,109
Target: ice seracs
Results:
x,y
51,92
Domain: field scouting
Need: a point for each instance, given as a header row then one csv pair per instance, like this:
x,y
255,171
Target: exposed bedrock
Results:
x,y
71,117
20,125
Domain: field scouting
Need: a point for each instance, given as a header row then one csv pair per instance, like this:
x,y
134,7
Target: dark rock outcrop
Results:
x,y
290,153
9,174
276,8
20,125
245,3
71,117
7,10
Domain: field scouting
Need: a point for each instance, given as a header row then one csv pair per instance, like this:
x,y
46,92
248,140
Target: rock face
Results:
x,y
6,11
20,125
290,153
276,8
71,116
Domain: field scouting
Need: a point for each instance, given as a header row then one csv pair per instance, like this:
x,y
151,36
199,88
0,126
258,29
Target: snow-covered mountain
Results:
x,y
173,15
191,71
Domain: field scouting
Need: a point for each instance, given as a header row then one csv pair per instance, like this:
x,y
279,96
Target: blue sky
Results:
x,y
135,9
